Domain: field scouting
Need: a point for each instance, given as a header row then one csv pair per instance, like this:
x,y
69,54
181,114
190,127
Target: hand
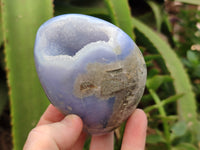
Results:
x,y
55,131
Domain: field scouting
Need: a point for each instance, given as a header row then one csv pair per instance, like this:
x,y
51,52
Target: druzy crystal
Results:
x,y
90,67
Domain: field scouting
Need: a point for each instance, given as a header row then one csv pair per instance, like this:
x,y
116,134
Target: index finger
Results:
x,y
51,115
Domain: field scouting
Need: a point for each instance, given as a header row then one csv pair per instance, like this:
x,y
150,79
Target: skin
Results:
x,y
55,131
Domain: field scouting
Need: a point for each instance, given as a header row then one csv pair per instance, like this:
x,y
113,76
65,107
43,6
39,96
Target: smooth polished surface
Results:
x,y
91,68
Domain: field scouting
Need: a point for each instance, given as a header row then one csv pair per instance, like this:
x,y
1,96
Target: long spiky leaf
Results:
x,y
187,109
21,20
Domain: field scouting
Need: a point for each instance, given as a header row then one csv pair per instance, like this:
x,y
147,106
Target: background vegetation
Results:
x,y
168,34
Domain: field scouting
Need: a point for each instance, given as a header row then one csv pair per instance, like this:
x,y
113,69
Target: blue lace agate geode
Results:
x,y
91,68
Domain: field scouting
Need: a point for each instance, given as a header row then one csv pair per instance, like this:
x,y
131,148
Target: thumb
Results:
x,y
60,135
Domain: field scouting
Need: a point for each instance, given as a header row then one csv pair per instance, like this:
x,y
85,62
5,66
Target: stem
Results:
x,y
163,114
163,103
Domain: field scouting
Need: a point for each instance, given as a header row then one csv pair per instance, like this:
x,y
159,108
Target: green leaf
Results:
x,y
21,20
152,72
156,81
151,57
65,8
187,104
178,129
149,60
149,64
167,29
192,57
146,99
121,16
197,133
185,146
187,63
195,2
1,33
155,138
157,13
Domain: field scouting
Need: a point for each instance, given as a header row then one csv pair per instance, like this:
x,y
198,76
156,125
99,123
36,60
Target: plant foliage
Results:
x,y
171,46
20,23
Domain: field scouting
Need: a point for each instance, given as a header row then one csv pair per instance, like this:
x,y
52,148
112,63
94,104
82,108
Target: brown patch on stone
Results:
x,y
124,80
86,86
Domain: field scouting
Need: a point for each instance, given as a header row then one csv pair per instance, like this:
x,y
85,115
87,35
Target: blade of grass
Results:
x,y
187,104
120,14
21,20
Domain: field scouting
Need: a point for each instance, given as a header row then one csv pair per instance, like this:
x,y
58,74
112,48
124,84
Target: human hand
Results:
x,y
55,131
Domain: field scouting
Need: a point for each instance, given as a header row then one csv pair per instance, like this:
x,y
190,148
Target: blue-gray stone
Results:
x,y
89,67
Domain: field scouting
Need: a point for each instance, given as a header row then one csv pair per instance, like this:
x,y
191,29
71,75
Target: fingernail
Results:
x,y
71,119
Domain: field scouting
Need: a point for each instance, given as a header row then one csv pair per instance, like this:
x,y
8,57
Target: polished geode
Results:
x,y
91,68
